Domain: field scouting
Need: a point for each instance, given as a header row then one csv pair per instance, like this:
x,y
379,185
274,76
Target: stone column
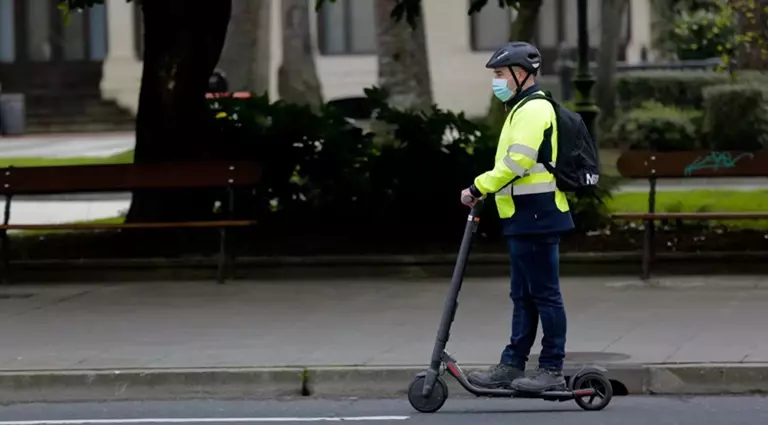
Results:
x,y
121,80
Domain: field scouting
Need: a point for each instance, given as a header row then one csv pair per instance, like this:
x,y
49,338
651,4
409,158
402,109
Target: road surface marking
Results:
x,y
201,420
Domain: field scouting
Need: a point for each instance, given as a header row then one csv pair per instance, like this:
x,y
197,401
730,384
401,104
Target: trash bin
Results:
x,y
12,114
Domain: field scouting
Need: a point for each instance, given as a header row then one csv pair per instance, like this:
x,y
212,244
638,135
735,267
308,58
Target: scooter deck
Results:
x,y
554,395
544,395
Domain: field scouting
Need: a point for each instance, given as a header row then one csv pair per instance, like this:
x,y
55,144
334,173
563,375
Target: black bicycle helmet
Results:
x,y
516,53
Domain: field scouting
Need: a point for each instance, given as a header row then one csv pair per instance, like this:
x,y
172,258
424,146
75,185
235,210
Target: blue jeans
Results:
x,y
535,293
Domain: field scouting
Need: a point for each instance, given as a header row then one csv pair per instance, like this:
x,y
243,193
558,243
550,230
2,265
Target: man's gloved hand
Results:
x,y
470,196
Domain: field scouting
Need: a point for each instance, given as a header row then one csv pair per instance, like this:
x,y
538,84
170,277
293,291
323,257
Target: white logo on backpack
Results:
x,y
592,178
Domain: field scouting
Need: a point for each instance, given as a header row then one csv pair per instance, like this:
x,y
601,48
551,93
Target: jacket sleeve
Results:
x,y
522,139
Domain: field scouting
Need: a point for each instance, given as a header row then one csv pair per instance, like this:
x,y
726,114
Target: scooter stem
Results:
x,y
451,302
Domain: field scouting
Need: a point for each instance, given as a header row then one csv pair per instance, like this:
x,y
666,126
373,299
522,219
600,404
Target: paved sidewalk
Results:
x,y
66,145
370,323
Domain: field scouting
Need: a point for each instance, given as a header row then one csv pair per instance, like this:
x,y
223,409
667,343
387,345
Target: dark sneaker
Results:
x,y
498,376
542,380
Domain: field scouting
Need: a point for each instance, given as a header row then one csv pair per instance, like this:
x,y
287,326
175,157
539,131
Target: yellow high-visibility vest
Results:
x,y
517,154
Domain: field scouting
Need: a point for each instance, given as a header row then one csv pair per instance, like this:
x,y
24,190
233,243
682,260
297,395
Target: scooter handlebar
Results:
x,y
474,210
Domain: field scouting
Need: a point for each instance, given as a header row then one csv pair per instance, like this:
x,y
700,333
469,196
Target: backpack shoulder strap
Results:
x,y
526,100
548,97
533,97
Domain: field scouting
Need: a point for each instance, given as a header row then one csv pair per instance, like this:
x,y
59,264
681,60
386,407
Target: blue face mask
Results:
x,y
500,89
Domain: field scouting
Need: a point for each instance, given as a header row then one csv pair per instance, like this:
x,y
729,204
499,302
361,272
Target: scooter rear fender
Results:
x,y
584,370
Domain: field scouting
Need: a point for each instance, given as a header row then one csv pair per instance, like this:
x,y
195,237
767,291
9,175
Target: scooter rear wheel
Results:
x,y
603,391
430,404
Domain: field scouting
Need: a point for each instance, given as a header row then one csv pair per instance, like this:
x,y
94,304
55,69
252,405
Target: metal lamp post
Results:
x,y
583,81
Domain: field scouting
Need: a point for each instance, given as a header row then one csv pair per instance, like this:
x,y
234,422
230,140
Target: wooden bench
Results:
x,y
226,175
694,164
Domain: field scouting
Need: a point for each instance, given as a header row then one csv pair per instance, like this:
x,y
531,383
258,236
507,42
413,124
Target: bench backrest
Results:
x,y
126,177
639,164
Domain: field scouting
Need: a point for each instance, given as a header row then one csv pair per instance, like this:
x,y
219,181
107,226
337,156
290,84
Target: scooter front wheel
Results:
x,y
430,404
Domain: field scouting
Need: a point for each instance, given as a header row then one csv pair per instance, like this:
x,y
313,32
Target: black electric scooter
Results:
x,y
428,391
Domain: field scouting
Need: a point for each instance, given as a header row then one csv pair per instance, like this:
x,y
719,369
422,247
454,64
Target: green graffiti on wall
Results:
x,y
716,161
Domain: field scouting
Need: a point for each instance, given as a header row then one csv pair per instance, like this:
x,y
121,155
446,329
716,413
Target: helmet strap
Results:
x,y
517,82
518,89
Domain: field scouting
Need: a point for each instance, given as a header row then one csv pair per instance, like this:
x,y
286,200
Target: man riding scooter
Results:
x,y
534,213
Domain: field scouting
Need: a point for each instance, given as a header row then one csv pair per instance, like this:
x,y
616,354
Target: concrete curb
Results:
x,y
739,378
340,382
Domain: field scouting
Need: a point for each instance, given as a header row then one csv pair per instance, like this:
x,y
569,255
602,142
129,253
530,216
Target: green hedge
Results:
x,y
323,173
683,89
679,110
654,126
736,116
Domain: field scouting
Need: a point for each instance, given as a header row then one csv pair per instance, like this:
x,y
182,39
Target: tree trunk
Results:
x,y
524,26
246,55
662,22
611,18
297,77
403,60
183,43
521,29
753,25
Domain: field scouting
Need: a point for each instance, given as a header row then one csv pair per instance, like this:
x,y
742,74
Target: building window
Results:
x,y
98,32
7,32
34,31
347,27
490,27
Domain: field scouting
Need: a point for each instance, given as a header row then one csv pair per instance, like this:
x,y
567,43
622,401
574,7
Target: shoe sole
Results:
x,y
547,389
492,385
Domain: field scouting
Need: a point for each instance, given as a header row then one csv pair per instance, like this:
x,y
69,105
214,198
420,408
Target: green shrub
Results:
x,y
736,116
704,33
319,170
654,126
750,75
674,88
684,89
433,157
326,179
304,155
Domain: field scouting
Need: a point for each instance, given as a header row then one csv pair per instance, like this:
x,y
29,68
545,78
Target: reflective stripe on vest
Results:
x,y
523,150
528,189
531,188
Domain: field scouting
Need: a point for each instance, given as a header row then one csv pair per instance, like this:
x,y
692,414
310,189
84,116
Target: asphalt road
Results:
x,y
623,410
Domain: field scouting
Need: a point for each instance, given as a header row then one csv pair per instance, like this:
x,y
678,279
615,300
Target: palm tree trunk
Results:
x,y
611,14
403,60
246,58
297,77
753,25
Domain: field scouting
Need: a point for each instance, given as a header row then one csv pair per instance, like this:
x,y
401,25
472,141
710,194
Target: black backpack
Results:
x,y
577,169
